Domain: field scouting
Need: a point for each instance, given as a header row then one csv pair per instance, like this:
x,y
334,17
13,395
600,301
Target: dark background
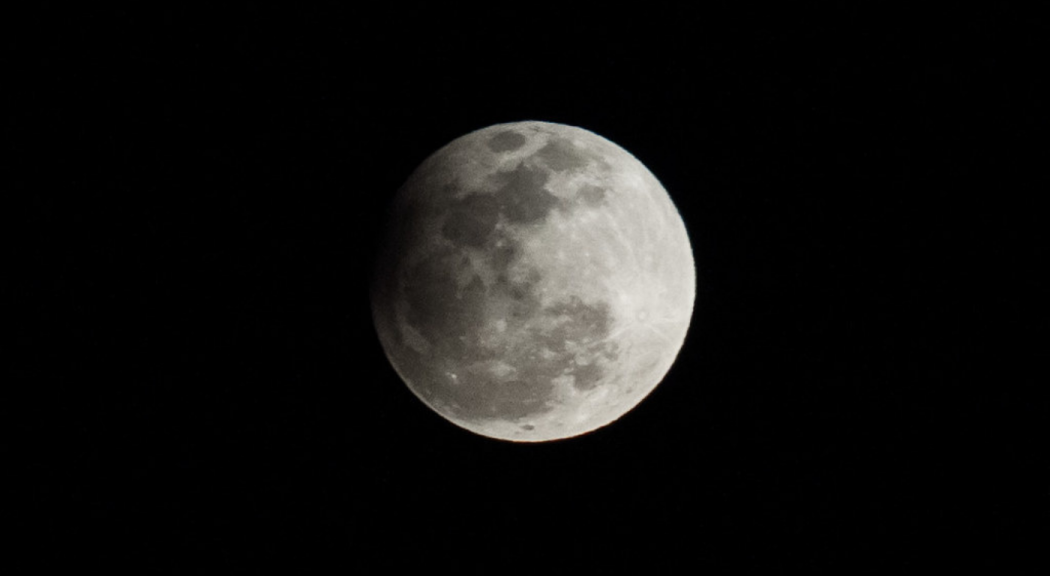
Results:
x,y
199,388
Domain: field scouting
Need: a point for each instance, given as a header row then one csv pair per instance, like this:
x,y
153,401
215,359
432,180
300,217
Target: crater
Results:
x,y
506,141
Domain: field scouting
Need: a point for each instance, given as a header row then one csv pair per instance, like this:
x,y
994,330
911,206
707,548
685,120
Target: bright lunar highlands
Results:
x,y
536,282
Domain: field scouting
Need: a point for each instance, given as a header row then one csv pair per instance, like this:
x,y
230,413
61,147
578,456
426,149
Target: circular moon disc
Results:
x,y
535,283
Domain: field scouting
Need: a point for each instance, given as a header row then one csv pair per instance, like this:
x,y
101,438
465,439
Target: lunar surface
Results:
x,y
536,282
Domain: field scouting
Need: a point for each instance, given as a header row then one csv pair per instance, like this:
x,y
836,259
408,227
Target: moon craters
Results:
x,y
536,284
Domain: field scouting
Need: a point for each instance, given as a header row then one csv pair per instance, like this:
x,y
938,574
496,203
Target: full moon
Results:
x,y
535,282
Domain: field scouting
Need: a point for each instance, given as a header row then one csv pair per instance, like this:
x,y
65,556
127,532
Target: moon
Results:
x,y
535,282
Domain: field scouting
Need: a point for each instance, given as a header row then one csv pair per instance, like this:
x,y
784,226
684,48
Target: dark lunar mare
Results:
x,y
560,155
506,141
522,197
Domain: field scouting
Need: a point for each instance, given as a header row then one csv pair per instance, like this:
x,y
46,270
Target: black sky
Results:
x,y
206,391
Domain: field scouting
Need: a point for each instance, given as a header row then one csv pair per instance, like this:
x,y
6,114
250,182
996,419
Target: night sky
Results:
x,y
199,387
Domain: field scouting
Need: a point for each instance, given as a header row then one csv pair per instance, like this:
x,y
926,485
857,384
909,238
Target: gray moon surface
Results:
x,y
535,282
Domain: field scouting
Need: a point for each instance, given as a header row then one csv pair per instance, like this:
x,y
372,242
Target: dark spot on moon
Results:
x,y
520,398
442,311
559,154
587,325
504,255
583,322
518,292
519,296
592,195
587,376
520,312
471,220
506,141
528,427
427,288
522,196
